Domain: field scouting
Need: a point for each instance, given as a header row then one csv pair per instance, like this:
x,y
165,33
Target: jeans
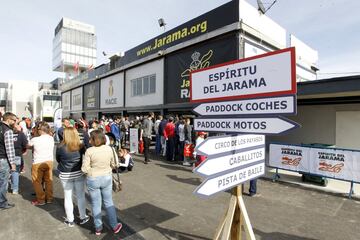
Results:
x,y
163,145
4,176
100,190
146,148
170,149
158,145
252,188
77,184
15,179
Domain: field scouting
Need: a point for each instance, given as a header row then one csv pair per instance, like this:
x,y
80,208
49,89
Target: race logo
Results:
x,y
326,164
111,100
290,161
111,88
291,156
327,167
197,63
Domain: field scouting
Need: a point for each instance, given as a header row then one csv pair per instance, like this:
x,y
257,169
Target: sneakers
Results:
x,y
84,220
98,232
37,203
8,206
69,224
186,164
117,228
15,192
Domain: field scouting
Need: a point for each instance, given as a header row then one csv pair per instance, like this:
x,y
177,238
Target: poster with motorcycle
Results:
x,y
294,158
335,163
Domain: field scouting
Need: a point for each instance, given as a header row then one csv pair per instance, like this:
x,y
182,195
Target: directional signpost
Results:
x,y
243,96
269,125
263,106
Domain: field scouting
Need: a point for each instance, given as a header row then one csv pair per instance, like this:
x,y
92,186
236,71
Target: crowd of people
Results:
x,y
87,154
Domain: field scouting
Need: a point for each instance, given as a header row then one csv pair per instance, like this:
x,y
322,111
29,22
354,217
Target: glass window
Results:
x,y
153,83
138,86
146,85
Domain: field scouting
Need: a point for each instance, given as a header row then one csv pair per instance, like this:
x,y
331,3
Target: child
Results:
x,y
126,162
199,139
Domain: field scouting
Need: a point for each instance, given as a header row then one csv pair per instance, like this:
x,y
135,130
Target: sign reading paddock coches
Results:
x,y
270,74
112,91
91,96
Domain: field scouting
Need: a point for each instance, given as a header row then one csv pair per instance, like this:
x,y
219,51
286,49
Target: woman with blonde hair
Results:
x,y
99,160
69,156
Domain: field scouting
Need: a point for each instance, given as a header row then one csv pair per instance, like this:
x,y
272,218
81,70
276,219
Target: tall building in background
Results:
x,y
74,47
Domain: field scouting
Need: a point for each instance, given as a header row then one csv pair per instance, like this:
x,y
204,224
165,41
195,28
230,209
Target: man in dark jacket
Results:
x,y
7,156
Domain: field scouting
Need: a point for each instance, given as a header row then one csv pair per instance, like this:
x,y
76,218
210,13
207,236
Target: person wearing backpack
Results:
x,y
7,156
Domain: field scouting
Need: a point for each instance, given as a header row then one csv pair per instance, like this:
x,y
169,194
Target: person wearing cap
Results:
x,y
169,135
199,140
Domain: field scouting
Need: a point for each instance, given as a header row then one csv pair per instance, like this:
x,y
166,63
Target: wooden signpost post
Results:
x,y
259,88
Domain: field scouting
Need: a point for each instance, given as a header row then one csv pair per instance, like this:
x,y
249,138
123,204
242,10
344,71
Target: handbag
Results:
x,y
116,182
188,150
141,146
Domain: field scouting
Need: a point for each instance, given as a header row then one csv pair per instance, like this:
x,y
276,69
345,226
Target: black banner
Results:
x,y
207,22
92,96
178,65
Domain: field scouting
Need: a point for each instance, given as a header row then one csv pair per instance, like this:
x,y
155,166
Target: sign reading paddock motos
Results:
x,y
77,99
112,91
270,74
65,101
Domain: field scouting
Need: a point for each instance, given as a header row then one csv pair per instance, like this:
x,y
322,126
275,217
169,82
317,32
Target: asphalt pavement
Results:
x,y
157,202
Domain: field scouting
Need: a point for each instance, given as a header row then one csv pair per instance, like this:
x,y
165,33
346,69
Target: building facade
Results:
x,y
156,74
74,47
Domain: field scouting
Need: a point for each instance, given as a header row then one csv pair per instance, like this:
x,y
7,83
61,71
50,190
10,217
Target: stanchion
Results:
x,y
351,189
235,219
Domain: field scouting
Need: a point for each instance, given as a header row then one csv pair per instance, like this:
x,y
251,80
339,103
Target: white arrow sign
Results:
x,y
220,183
269,74
217,145
224,163
273,105
275,125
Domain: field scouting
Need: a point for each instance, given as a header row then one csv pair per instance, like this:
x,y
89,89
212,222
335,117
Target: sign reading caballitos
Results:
x,y
270,74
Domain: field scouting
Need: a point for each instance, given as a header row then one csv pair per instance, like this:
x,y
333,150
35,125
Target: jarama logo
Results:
x,y
196,63
290,161
291,156
326,162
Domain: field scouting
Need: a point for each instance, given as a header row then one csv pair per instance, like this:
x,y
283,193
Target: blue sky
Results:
x,y
27,29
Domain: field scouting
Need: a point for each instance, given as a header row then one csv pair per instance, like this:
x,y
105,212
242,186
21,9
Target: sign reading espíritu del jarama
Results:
x,y
242,96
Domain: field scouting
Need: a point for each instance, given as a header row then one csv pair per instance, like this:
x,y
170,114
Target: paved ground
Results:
x,y
157,203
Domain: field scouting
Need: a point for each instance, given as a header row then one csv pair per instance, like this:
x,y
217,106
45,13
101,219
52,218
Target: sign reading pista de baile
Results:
x,y
256,88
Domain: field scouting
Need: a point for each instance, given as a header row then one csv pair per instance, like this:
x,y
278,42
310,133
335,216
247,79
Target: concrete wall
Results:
x,y
155,67
336,124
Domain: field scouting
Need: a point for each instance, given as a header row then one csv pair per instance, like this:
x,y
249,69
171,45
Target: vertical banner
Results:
x,y
134,140
76,99
179,65
92,96
112,91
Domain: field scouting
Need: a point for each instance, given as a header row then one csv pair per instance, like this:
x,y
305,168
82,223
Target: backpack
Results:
x,y
131,164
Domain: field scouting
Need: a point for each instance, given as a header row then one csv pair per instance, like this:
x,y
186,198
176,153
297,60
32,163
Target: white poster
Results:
x,y
134,140
77,99
112,91
65,101
294,158
335,163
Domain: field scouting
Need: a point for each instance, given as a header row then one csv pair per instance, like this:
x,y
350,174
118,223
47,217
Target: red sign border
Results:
x,y
268,94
